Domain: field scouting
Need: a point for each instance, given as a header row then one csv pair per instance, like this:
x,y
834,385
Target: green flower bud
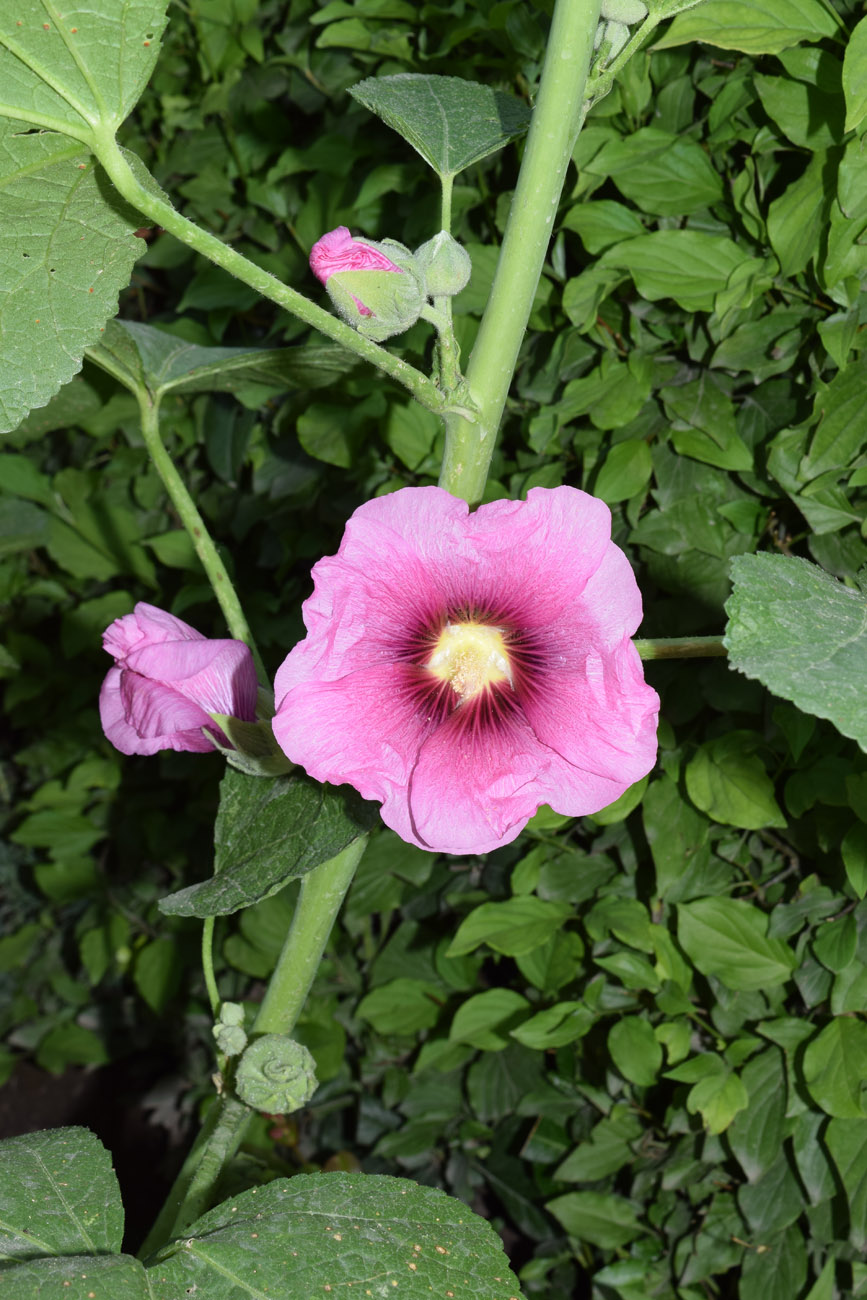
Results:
x,y
624,11
444,265
276,1075
229,1029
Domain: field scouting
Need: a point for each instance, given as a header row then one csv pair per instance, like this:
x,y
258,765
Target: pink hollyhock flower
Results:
x,y
339,251
166,682
466,668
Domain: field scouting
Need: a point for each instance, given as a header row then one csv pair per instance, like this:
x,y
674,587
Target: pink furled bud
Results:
x,y
339,251
375,286
167,681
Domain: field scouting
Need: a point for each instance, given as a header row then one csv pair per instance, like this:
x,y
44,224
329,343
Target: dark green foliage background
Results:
x,y
643,1060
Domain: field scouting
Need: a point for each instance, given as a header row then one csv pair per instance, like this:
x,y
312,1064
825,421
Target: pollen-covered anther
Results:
x,y
470,657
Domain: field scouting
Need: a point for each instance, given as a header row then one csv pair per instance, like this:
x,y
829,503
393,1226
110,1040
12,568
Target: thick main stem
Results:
x,y
149,202
555,125
319,899
195,525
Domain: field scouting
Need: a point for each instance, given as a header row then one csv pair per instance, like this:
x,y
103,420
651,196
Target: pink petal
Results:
x,y
473,791
217,676
366,729
600,717
125,737
146,625
338,251
159,715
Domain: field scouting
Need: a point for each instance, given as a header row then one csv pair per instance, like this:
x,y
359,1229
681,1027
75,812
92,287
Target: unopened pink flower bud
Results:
x,y
375,286
168,680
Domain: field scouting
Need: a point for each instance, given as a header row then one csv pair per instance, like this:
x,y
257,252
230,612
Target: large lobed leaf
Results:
x,y
452,123
67,247
84,67
268,832
66,241
803,635
329,1234
58,1196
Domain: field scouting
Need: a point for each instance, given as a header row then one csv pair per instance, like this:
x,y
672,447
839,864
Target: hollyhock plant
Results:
x,y
167,681
465,668
375,287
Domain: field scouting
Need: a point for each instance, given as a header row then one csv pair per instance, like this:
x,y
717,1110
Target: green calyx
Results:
x,y
252,748
276,1075
444,264
624,11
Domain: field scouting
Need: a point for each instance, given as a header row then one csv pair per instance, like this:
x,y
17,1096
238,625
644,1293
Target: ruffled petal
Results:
x,y
146,625
218,676
365,729
600,717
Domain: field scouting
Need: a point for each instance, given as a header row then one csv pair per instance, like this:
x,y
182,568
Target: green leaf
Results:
x,y
334,1233
67,247
809,117
835,1068
731,785
513,927
58,1196
847,1142
664,174
779,1271
687,265
842,429
403,1006
703,424
607,1222
143,357
627,471
635,1050
452,123
270,830
803,634
727,938
22,526
855,76
78,1277
485,1020
797,217
756,1133
718,1098
764,28
81,70
854,854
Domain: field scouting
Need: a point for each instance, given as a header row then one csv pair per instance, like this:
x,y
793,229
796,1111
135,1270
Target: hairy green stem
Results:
x,y
195,525
681,647
149,202
556,121
208,965
322,891
321,894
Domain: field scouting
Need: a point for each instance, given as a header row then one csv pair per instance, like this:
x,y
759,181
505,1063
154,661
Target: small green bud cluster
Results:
x,y
616,17
229,1029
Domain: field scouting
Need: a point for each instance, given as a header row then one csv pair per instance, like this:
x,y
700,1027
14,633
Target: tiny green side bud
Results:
x,y
276,1075
229,1029
624,11
444,264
